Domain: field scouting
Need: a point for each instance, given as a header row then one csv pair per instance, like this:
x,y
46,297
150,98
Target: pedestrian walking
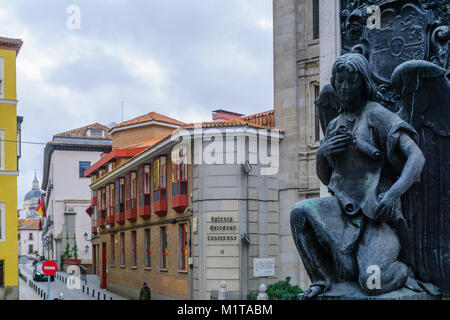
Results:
x,y
145,293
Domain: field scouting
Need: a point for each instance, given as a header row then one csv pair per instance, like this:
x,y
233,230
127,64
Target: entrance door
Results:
x,y
104,265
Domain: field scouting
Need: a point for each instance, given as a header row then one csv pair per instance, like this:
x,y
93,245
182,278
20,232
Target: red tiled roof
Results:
x,y
28,224
263,120
82,132
152,116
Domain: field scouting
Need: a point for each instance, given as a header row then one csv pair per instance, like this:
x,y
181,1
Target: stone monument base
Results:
x,y
352,291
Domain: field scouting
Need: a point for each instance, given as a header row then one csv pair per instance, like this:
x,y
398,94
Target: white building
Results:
x,y
29,237
68,195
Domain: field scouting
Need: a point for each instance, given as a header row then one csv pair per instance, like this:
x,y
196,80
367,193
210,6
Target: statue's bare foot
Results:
x,y
312,292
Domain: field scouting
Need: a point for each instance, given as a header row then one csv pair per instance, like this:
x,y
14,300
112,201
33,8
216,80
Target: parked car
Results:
x,y
38,274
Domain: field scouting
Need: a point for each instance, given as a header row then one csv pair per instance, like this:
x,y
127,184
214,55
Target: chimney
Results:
x,y
222,115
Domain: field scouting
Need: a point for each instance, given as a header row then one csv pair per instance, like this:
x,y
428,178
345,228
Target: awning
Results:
x,y
89,211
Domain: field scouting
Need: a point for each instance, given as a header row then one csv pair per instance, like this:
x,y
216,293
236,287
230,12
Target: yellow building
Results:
x,y
9,156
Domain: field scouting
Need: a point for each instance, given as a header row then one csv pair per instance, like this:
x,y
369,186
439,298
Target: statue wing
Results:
x,y
427,204
328,105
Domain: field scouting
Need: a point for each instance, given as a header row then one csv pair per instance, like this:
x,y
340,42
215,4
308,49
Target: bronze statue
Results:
x,y
369,159
425,98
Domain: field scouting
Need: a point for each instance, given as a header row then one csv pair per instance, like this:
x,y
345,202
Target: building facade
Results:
x,y
181,221
9,157
297,84
30,238
67,193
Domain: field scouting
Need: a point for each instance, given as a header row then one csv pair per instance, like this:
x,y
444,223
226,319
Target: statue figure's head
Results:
x,y
351,78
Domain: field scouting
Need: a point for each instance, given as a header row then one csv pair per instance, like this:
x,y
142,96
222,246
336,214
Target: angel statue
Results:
x,y
425,99
369,158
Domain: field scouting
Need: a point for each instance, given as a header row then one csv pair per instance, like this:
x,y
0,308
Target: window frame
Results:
x,y
122,249
112,251
2,222
164,263
160,179
133,236
2,149
183,246
2,77
177,170
81,175
148,249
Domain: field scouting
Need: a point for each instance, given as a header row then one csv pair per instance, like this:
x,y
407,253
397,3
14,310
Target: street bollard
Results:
x,y
44,295
104,296
87,290
93,293
98,295
223,291
110,298
83,289
262,293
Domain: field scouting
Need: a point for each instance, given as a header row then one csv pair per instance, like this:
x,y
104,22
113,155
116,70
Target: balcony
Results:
x,y
160,202
131,212
145,210
179,196
111,219
94,229
120,213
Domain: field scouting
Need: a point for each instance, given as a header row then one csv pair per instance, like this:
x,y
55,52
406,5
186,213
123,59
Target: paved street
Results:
x,y
89,291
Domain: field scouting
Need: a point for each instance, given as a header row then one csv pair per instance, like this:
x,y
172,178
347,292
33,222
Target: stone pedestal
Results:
x,y
352,291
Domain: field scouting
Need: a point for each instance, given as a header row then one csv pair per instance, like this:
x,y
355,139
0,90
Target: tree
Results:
x,y
75,248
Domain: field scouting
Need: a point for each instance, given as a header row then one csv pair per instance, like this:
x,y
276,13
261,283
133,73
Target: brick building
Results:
x,y
165,213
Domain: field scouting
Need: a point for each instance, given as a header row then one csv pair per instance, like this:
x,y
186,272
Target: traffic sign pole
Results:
x,y
49,268
48,287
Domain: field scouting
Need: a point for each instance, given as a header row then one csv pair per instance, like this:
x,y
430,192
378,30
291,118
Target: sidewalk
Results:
x,y
91,288
26,293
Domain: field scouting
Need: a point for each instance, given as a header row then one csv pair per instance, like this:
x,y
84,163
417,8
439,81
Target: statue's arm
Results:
x,y
412,168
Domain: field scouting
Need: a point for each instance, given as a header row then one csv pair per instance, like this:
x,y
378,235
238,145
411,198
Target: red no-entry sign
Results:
x,y
49,267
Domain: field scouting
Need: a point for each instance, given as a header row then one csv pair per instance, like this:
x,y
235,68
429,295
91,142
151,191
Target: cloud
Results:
x,y
180,58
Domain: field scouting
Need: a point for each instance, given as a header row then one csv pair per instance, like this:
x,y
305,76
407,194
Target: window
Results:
x,y
184,245
179,173
107,198
133,249
113,257
103,212
111,198
120,192
84,165
163,238
133,189
96,133
2,221
2,266
316,26
2,149
30,236
30,249
144,185
2,78
122,249
148,242
316,115
159,178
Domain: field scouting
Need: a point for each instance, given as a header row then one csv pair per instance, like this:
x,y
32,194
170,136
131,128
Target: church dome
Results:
x,y
35,192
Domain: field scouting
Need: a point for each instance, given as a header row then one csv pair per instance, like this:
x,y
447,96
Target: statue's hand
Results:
x,y
336,144
386,208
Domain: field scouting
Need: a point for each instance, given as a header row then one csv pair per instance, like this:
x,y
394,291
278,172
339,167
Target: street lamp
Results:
x,y
86,237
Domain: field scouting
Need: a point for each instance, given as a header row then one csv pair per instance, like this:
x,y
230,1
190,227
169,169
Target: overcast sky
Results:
x,y
181,58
